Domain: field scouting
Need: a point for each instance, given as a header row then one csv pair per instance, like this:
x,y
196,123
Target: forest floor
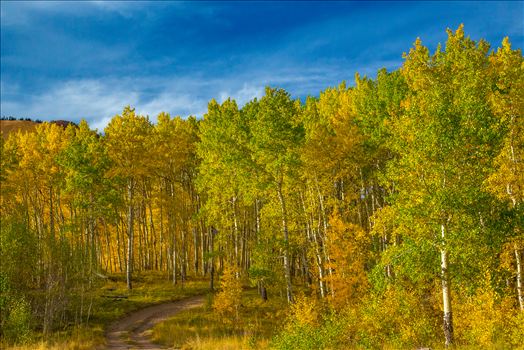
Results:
x,y
111,304
156,314
257,322
134,330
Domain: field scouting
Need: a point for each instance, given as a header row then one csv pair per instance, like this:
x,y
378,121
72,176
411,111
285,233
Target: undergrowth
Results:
x,y
107,302
202,328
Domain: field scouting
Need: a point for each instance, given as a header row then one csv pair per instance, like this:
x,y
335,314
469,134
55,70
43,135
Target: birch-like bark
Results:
x,y
153,233
51,215
173,259
518,260
161,236
305,268
172,231
212,233
325,238
202,248
446,294
130,232
110,257
320,264
195,250
261,287
118,245
289,292
235,233
312,236
182,254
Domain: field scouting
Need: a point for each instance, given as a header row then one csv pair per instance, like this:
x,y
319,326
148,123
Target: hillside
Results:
x,y
9,126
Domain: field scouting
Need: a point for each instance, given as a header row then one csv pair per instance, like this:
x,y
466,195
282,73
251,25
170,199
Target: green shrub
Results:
x,y
307,329
17,324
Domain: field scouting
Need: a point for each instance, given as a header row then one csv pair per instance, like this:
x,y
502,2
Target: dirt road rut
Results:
x,y
134,330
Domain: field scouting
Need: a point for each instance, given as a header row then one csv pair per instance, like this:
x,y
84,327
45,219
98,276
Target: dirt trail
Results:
x,y
134,330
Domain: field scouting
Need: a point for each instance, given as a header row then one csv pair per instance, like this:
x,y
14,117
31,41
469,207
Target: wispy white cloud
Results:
x,y
93,100
243,94
24,12
98,100
68,60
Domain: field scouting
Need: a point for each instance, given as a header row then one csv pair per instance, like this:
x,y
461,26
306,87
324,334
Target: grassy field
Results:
x,y
201,329
105,308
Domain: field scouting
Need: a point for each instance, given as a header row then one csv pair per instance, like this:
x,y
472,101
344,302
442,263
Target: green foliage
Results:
x,y
17,321
200,328
16,314
262,269
421,167
402,318
311,326
276,135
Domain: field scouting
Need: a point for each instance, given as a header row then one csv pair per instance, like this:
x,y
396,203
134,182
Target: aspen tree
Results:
x,y
507,181
126,137
442,147
276,138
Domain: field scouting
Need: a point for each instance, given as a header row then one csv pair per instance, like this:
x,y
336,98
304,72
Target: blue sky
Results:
x,y
73,60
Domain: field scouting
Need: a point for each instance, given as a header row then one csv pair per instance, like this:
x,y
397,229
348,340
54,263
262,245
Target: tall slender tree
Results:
x,y
127,138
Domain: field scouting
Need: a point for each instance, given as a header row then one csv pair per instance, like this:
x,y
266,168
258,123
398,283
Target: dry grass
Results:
x,y
9,126
149,289
81,338
227,343
202,329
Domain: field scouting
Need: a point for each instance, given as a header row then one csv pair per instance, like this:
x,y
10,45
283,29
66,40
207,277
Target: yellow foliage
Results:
x,y
399,318
227,302
348,252
485,319
304,311
226,343
514,333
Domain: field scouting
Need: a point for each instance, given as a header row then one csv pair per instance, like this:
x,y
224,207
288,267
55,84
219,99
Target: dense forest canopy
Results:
x,y
396,202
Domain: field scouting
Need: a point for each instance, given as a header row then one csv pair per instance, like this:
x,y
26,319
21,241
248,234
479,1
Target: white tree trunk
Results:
x,y
519,278
130,232
446,296
287,269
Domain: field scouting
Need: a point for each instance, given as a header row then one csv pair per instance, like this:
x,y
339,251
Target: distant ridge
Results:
x,y
63,123
10,124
